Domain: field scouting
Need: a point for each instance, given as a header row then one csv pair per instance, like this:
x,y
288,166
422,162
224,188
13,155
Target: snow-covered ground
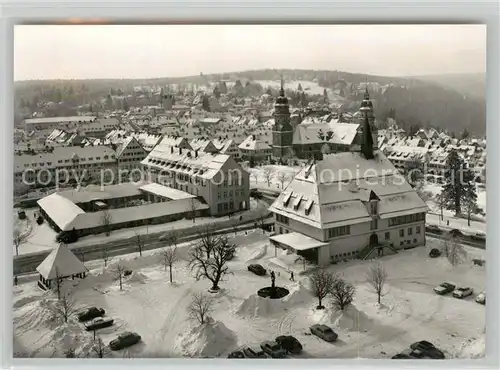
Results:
x,y
258,177
157,310
477,224
43,237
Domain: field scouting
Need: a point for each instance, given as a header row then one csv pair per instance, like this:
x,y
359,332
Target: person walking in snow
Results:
x,y
291,276
447,222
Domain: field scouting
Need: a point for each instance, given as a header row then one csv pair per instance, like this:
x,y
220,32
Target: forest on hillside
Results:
x,y
411,101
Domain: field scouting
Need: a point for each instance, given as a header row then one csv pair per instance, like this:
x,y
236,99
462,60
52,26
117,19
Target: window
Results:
x,y
339,231
219,207
225,194
218,195
410,231
401,220
281,230
373,225
282,219
417,230
387,235
373,207
401,232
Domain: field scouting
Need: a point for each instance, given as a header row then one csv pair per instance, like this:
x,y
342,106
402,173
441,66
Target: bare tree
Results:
x,y
470,208
268,174
283,177
214,266
254,176
322,283
441,202
64,308
105,256
262,217
118,271
99,348
169,256
454,251
200,308
342,294
18,238
139,242
376,277
59,279
208,238
106,221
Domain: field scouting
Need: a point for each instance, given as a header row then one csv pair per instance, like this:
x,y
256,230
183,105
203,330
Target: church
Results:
x,y
350,204
313,140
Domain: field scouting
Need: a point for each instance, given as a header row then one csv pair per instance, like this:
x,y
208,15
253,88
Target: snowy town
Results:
x,y
241,217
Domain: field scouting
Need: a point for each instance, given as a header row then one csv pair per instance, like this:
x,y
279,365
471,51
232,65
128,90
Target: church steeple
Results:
x,y
282,90
367,140
282,129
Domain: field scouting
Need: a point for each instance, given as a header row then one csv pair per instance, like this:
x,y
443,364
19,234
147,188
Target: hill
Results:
x,y
469,84
447,102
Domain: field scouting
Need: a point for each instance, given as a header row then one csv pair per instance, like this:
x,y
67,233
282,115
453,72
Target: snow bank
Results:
x,y
473,348
351,319
207,340
258,253
256,306
67,336
137,277
36,315
298,294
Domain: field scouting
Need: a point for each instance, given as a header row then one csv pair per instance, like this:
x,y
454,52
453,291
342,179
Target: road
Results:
x,y
27,263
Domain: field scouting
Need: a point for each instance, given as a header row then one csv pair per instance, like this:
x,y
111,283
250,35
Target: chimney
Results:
x,y
171,150
180,150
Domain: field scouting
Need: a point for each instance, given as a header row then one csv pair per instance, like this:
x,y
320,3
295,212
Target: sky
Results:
x,y
150,51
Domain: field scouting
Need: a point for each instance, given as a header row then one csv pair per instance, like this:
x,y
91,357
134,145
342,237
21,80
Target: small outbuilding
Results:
x,y
61,263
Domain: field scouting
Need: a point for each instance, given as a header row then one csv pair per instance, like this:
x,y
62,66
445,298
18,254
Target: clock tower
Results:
x,y
282,129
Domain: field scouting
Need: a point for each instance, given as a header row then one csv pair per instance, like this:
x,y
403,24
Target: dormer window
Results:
x,y
286,198
308,207
373,207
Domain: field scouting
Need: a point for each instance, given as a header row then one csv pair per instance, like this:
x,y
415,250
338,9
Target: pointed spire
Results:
x,y
282,90
367,140
367,94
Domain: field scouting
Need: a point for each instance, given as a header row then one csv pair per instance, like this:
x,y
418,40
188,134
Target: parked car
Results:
x,y
256,194
273,349
99,323
409,354
426,349
478,236
456,232
91,313
433,229
236,354
257,269
324,332
462,292
253,353
289,343
444,288
481,298
124,340
434,253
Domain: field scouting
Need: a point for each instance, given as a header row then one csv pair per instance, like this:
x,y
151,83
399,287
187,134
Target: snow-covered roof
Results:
x,y
252,143
297,241
61,262
61,210
97,192
170,158
342,133
165,191
48,120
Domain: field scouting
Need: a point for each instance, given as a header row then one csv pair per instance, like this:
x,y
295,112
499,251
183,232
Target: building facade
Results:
x,y
216,178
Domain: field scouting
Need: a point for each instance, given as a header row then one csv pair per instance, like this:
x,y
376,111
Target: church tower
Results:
x,y
282,129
